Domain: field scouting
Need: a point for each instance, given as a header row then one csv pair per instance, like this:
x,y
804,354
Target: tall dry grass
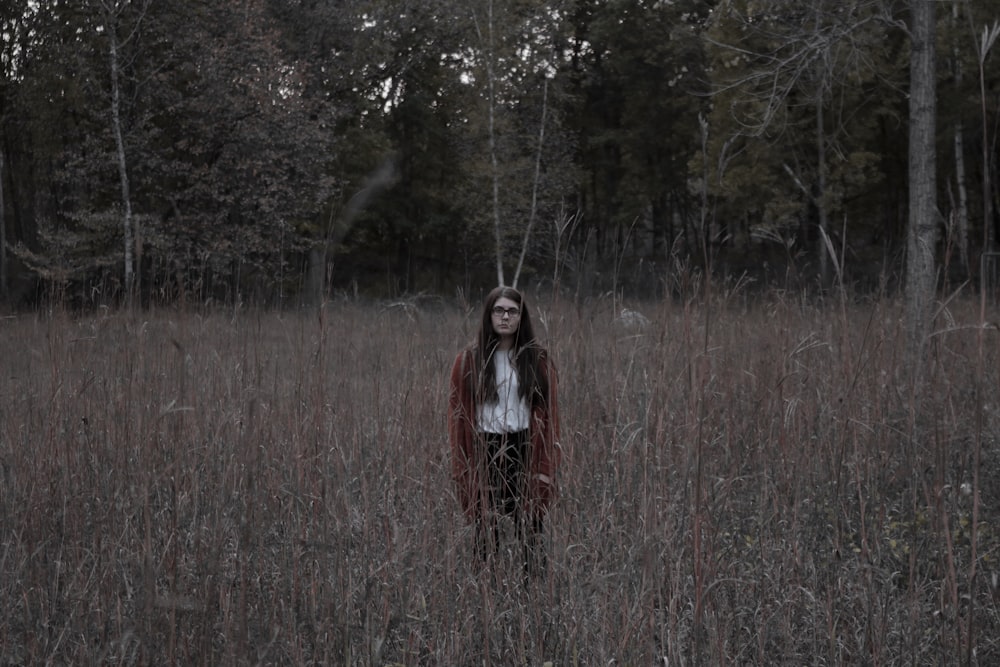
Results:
x,y
745,483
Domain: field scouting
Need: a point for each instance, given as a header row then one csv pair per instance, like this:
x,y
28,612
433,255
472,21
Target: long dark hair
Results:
x,y
528,353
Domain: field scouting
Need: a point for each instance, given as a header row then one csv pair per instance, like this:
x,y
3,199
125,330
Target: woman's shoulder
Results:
x,y
466,355
541,352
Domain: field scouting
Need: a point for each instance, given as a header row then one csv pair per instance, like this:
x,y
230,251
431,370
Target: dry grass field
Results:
x,y
745,483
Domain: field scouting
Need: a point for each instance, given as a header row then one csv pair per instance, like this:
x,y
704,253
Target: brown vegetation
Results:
x,y
746,483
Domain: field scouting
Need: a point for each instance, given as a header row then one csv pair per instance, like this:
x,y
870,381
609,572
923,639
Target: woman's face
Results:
x,y
506,316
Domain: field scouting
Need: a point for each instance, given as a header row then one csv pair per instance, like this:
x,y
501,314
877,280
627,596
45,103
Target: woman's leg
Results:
x,y
533,539
487,527
507,464
528,529
487,537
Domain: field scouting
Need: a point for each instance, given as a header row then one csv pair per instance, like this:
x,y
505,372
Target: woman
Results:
x,y
503,423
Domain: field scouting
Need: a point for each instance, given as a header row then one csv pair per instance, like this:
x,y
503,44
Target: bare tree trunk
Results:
x,y
923,216
534,188
707,229
3,236
111,10
989,238
962,212
961,215
820,196
315,275
491,100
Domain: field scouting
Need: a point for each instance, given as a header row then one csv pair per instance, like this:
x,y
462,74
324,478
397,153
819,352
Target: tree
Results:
x,y
412,124
963,106
59,113
635,71
16,18
514,60
921,277
225,153
3,231
793,83
488,47
465,120
983,46
9,57
113,12
238,147
958,227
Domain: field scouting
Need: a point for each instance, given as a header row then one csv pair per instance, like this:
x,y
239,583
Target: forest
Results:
x,y
281,151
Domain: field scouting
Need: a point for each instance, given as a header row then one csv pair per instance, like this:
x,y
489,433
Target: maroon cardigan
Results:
x,y
467,464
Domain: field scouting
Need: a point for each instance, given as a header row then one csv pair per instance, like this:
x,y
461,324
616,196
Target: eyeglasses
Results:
x,y
499,311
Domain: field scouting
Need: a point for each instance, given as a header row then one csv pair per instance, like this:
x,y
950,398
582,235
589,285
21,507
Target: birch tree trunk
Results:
x,y
923,216
128,230
491,120
534,187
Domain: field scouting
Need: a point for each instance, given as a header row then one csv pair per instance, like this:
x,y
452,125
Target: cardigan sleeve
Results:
x,y
461,434
546,452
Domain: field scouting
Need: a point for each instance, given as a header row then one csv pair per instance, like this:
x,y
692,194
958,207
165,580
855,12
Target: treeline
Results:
x,y
281,150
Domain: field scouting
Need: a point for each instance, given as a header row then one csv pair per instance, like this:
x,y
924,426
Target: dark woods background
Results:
x,y
283,150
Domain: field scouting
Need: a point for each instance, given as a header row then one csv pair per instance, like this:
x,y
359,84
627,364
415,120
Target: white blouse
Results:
x,y
509,413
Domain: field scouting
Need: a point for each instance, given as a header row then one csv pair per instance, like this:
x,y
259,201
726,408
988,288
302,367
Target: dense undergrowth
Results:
x,y
745,483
